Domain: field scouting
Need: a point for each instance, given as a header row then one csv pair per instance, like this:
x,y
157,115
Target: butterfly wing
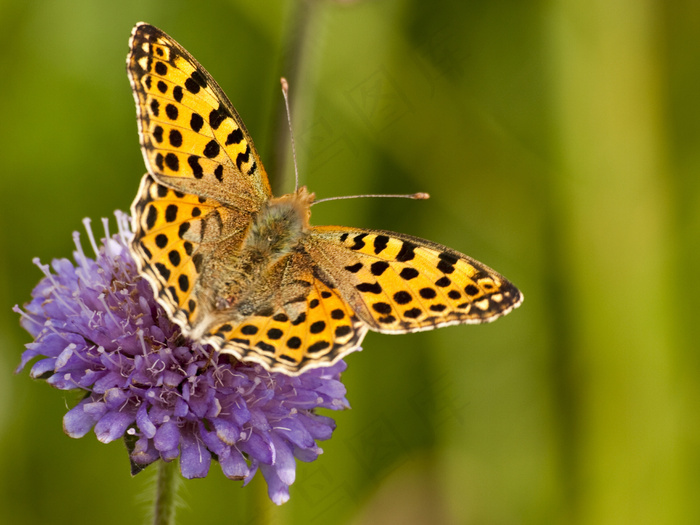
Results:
x,y
191,137
205,177
310,326
176,238
397,283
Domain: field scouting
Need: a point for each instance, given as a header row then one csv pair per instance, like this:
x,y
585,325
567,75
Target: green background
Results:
x,y
560,141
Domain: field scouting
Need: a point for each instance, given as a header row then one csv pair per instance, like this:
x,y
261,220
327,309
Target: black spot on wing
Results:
x,y
163,271
175,138
382,308
402,297
318,346
342,330
359,241
407,251
171,213
252,169
235,137
161,240
274,333
196,122
183,282
374,288
195,82
380,242
171,111
409,273
317,327
217,116
354,268
249,329
172,161
377,268
197,170
447,262
413,313
174,257
211,150
427,293
470,289
265,347
151,217
443,281
243,158
293,342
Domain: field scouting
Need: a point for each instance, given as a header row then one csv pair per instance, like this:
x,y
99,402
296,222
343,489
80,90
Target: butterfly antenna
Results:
x,y
285,93
415,196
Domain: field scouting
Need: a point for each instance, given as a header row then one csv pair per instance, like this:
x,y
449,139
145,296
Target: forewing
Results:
x,y
191,137
397,283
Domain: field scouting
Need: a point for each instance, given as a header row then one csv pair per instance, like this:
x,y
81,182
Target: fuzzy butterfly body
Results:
x,y
244,271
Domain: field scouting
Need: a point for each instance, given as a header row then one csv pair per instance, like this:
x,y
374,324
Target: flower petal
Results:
x,y
77,422
194,457
144,423
226,431
259,447
112,425
167,437
277,490
284,460
234,465
144,452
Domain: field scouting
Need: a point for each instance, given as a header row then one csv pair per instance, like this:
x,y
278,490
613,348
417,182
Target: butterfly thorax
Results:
x,y
254,278
278,227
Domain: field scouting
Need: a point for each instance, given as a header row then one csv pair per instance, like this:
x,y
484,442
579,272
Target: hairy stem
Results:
x,y
166,494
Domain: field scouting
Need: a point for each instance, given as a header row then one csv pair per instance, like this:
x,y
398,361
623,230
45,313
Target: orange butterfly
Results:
x,y
244,271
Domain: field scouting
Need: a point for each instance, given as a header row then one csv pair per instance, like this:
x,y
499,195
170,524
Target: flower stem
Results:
x,y
166,494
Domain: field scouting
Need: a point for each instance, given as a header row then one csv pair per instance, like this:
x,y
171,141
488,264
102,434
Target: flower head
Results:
x,y
97,327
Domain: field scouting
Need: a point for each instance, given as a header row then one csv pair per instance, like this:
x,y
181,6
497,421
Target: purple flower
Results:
x,y
97,327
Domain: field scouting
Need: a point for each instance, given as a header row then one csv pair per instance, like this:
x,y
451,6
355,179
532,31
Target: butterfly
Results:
x,y
244,271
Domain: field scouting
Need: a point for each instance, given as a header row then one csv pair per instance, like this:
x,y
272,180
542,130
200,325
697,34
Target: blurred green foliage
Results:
x,y
560,143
